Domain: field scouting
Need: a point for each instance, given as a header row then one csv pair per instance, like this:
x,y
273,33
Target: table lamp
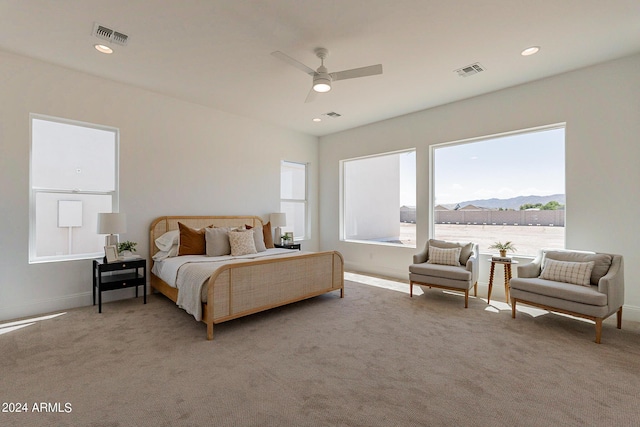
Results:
x,y
112,224
278,220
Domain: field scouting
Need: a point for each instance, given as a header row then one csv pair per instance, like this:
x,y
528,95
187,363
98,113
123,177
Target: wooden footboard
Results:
x,y
237,290
241,289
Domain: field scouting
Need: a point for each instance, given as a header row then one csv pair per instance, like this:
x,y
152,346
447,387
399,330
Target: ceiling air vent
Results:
x,y
332,114
470,70
108,34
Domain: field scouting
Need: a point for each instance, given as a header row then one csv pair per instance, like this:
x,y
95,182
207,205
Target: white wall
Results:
x,y
176,158
601,109
372,187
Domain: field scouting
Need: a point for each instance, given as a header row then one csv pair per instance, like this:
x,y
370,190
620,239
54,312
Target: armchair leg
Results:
x,y
475,289
619,316
598,329
466,298
411,289
513,308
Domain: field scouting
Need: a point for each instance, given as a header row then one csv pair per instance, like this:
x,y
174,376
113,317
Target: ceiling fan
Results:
x,y
322,78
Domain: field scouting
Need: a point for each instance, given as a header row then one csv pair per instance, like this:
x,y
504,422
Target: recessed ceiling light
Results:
x,y
530,51
103,49
317,119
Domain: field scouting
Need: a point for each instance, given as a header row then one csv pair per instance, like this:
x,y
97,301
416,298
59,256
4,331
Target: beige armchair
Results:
x,y
583,284
446,265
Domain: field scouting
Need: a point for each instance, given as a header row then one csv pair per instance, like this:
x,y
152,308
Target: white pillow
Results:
x,y
167,240
449,256
159,256
242,242
577,273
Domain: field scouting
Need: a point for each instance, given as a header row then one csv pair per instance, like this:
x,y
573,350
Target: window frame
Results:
x,y
33,191
432,170
304,202
343,202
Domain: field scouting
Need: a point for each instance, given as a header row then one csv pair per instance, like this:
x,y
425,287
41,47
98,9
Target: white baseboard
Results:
x,y
66,302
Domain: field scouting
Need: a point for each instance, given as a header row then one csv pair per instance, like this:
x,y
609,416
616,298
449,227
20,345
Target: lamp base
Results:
x,y
278,238
111,240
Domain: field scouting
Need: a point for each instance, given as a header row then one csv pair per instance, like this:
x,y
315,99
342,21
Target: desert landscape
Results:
x,y
528,240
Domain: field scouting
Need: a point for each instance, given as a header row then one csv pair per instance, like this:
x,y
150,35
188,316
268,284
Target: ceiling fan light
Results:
x,y
322,84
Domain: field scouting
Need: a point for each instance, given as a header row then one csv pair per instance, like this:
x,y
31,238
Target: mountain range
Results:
x,y
512,203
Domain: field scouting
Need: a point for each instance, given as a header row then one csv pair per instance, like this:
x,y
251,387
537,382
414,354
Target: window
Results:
x,y
379,199
293,198
74,176
502,188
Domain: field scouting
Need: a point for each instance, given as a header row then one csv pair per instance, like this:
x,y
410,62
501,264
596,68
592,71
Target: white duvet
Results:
x,y
189,273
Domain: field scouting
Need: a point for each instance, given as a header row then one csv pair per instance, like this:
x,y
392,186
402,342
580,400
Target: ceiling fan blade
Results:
x,y
311,96
371,70
289,60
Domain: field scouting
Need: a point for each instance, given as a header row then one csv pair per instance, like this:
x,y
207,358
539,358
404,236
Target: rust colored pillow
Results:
x,y
192,241
268,236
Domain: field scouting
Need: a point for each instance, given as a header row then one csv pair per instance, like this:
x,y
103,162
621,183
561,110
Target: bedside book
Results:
x,y
129,257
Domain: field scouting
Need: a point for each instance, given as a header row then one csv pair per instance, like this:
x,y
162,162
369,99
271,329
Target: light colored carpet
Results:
x,y
374,358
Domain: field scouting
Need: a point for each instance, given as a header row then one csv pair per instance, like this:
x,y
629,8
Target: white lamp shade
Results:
x,y
112,223
278,219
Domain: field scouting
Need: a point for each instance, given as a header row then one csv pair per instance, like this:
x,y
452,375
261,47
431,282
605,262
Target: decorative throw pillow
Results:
x,y
242,242
258,237
192,241
217,241
465,248
602,262
268,236
167,240
449,256
577,273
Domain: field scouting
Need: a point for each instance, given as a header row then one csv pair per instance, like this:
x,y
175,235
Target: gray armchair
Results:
x,y
599,296
461,275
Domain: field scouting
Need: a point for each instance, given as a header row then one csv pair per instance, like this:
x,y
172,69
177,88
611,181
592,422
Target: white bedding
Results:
x,y
190,273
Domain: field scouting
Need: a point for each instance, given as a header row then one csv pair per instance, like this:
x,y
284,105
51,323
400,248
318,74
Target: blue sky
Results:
x,y
525,164
509,166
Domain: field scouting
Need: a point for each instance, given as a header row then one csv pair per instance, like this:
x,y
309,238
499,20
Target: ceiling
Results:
x,y
218,52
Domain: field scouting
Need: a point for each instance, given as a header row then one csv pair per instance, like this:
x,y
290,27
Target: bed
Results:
x,y
239,286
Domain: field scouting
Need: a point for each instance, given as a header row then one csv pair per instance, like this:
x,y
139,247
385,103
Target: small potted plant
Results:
x,y
503,247
126,248
285,238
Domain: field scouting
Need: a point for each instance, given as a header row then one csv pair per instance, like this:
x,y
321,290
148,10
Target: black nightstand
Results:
x,y
123,274
293,246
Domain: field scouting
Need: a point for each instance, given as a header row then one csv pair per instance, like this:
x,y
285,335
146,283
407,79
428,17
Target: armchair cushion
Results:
x,y
465,248
450,256
438,270
602,261
577,273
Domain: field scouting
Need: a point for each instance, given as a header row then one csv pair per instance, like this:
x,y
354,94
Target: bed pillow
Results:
x,y
160,255
168,240
192,241
268,236
444,256
217,241
577,273
242,242
258,237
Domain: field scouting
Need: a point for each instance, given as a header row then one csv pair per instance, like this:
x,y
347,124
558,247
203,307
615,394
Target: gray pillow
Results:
x,y
602,262
465,252
217,241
